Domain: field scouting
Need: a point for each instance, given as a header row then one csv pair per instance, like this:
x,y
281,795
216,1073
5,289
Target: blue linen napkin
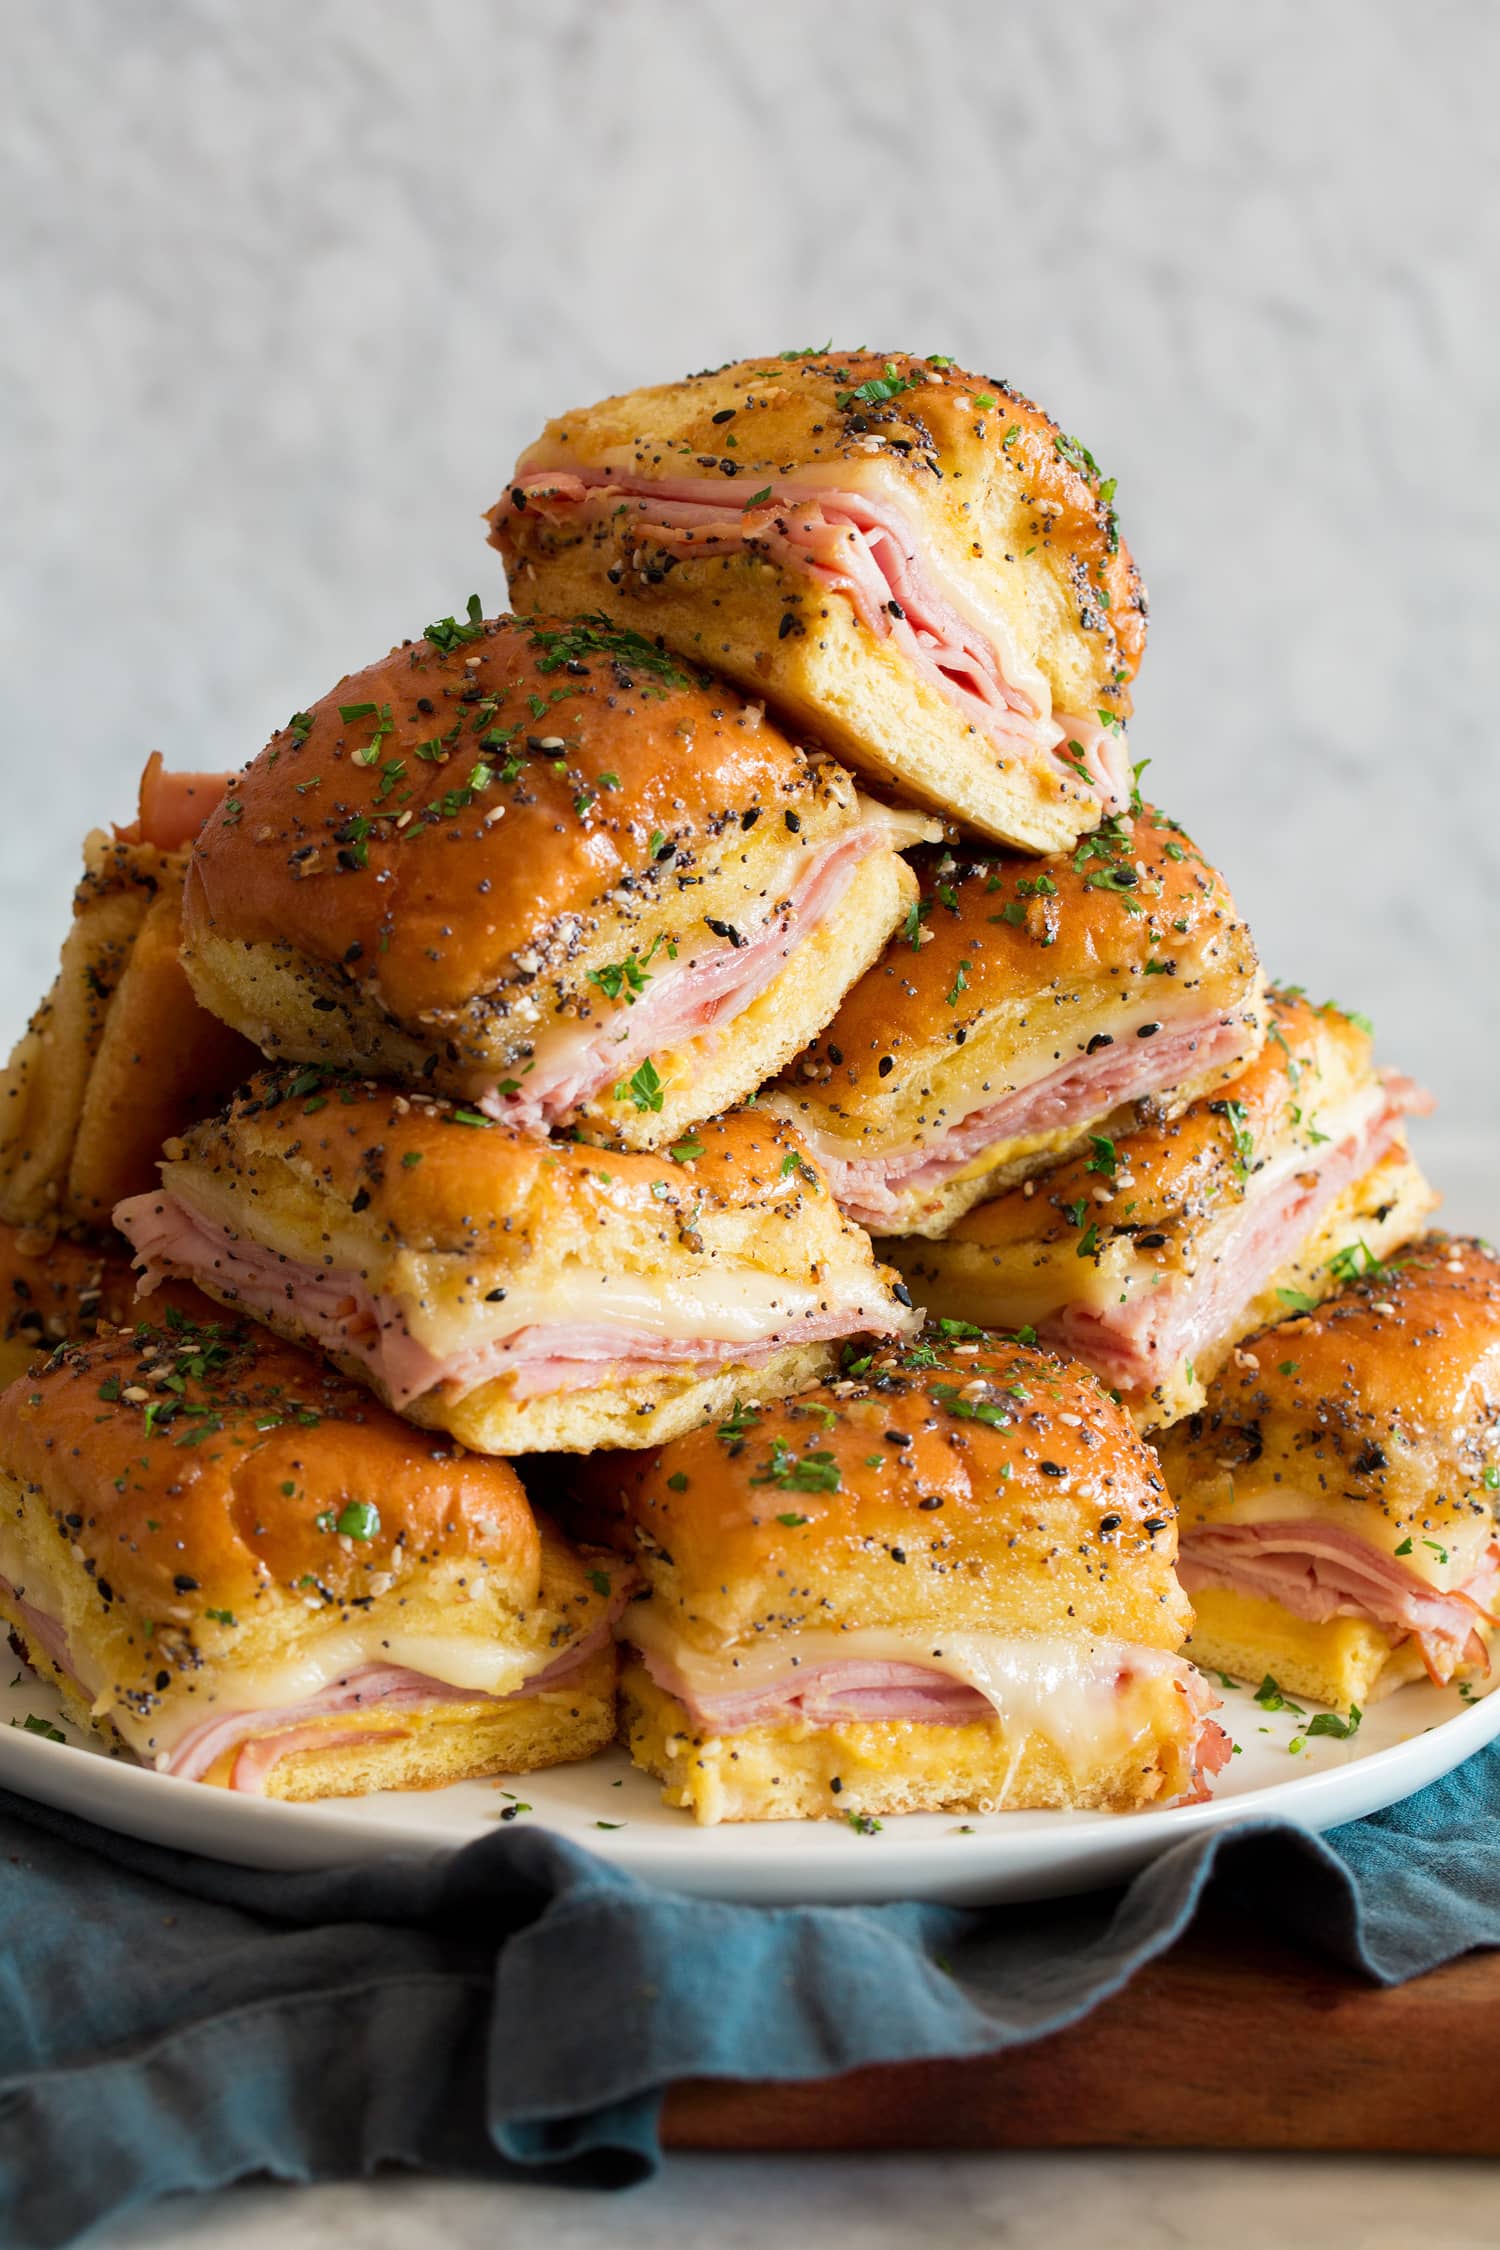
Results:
x,y
168,2023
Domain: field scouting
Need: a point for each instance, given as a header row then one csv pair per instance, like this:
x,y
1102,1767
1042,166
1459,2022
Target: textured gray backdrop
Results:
x,y
288,283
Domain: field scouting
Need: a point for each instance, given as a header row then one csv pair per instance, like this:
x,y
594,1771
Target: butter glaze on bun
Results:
x,y
230,1558
1337,1489
542,867
914,561
942,1581
1022,1009
529,1296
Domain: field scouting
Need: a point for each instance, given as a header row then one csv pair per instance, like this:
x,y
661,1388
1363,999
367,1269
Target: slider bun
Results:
x,y
1387,1398
874,1769
208,1526
1057,1522
118,1056
450,1216
1342,1662
1019,969
56,1287
346,912
1025,526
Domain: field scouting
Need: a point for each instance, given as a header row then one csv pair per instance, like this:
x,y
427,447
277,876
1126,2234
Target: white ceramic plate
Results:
x,y
1412,1738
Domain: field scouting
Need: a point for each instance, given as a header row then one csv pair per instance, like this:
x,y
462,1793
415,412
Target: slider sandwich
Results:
x,y
1337,1490
940,1583
240,1568
1152,1256
541,867
912,561
119,1054
527,1296
1023,1006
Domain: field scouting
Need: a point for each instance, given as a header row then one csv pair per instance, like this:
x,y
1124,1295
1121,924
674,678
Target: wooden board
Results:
x,y
1221,2044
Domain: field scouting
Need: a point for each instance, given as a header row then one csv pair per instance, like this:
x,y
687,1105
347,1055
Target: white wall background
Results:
x,y
288,283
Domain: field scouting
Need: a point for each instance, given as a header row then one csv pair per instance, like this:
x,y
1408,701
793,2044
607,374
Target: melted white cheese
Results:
x,y
1066,1690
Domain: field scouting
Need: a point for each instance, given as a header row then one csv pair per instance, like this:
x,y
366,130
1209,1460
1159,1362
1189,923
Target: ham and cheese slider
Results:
x,y
238,1566
1153,1255
56,1288
539,867
1336,1493
527,1296
1022,1007
942,1582
119,1055
914,562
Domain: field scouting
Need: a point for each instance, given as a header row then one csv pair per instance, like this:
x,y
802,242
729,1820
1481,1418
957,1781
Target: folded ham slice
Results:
x,y
1320,1570
685,999
858,543
1135,1345
874,1190
335,1308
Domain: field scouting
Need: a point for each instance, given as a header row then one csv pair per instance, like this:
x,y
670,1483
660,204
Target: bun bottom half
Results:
x,y
877,1768
1340,1662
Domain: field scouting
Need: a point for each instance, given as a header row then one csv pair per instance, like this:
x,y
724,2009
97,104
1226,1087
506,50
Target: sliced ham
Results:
x,y
173,806
1135,1345
1319,1570
685,999
335,1308
825,1694
858,543
874,1190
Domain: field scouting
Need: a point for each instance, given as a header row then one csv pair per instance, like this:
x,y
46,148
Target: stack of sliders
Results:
x,y
647,1006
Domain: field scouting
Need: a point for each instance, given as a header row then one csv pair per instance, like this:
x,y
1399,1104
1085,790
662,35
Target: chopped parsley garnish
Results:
x,y
1270,1698
447,634
960,983
594,635
644,1088
1105,1159
795,1161
1298,1300
1329,1722
735,1429
986,1410
359,1520
817,1471
791,1521
1241,1139
876,389
630,976
1076,454
600,1581
299,726
683,1152
864,1824
31,1724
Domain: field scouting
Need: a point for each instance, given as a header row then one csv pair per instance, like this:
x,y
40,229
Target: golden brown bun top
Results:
x,y
1186,1172
965,1480
365,835
1134,908
933,428
431,1173
61,1284
191,1459
1388,1394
